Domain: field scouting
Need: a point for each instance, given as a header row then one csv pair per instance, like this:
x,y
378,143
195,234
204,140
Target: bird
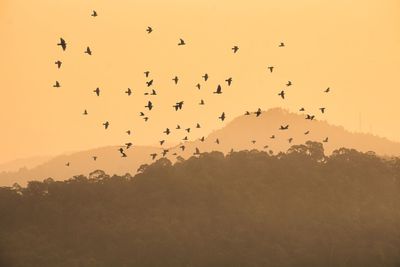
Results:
x,y
290,140
181,42
217,141
153,92
128,132
85,112
128,145
63,44
281,44
219,90
149,83
94,158
187,130
282,94
149,105
229,81
253,141
178,105
149,29
162,142
327,90
94,13
197,152
310,117
247,113
153,156
301,109
222,117
88,51
185,138
146,118
67,164
106,124
176,79
202,139
182,147
284,127
123,155
128,91
322,110
266,146
325,140
97,91
205,77
272,137
258,112
307,132
57,85
58,63
201,102
289,83
147,73
235,49
271,68
141,114
198,86
198,126
165,151
167,131
178,127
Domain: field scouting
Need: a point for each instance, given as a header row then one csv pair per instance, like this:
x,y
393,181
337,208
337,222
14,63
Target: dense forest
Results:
x,y
246,208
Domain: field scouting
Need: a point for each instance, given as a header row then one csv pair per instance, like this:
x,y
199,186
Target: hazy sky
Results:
x,y
353,47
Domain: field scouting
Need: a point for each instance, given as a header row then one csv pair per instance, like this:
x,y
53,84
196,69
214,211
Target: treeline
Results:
x,y
248,208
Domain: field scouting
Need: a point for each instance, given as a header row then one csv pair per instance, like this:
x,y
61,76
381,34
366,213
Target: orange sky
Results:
x,y
350,46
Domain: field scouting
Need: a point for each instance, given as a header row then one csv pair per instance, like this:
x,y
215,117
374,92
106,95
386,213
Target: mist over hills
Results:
x,y
238,134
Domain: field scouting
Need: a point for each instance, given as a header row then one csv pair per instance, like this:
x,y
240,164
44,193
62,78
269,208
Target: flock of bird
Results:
x,y
179,105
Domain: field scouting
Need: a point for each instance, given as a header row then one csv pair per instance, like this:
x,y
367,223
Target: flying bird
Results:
x,y
128,92
272,137
325,140
153,156
201,102
167,131
94,13
247,113
149,29
281,44
94,158
63,44
128,132
57,85
235,49
310,117
147,73
284,127
289,83
181,42
149,105
229,81
327,90
217,141
307,132
301,109
290,140
88,51
176,79
202,139
187,130
149,83
258,112
282,94
58,63
165,151
205,77
219,90
271,68
97,91
198,126
322,110
198,86
222,117
106,124
182,147
197,151
162,142
67,164
85,112
128,145
253,141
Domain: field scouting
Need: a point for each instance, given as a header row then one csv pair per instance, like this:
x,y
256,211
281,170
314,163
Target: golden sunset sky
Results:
x,y
353,47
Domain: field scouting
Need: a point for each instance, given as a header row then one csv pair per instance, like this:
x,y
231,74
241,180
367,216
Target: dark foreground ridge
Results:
x,y
247,208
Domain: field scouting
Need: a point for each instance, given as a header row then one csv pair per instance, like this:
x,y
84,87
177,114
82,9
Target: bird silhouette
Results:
x,y
198,86
307,132
222,117
165,151
85,112
178,127
327,90
58,63
282,94
153,156
322,110
146,118
310,117
178,105
153,92
201,102
235,49
198,126
57,85
266,146
247,113
290,140
253,141
197,152
325,140
94,13
128,145
258,112
149,29
187,130
202,139
149,105
106,124
185,138
63,44
272,137
281,44
181,42
128,91
149,83
271,68
128,132
289,83
182,147
88,51
284,127
229,81
147,73
301,109
123,155
67,164
205,77
167,131
94,158
141,114
176,79
219,90
162,142
97,91
217,141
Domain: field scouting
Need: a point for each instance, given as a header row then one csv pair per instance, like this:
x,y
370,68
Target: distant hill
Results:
x,y
237,135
